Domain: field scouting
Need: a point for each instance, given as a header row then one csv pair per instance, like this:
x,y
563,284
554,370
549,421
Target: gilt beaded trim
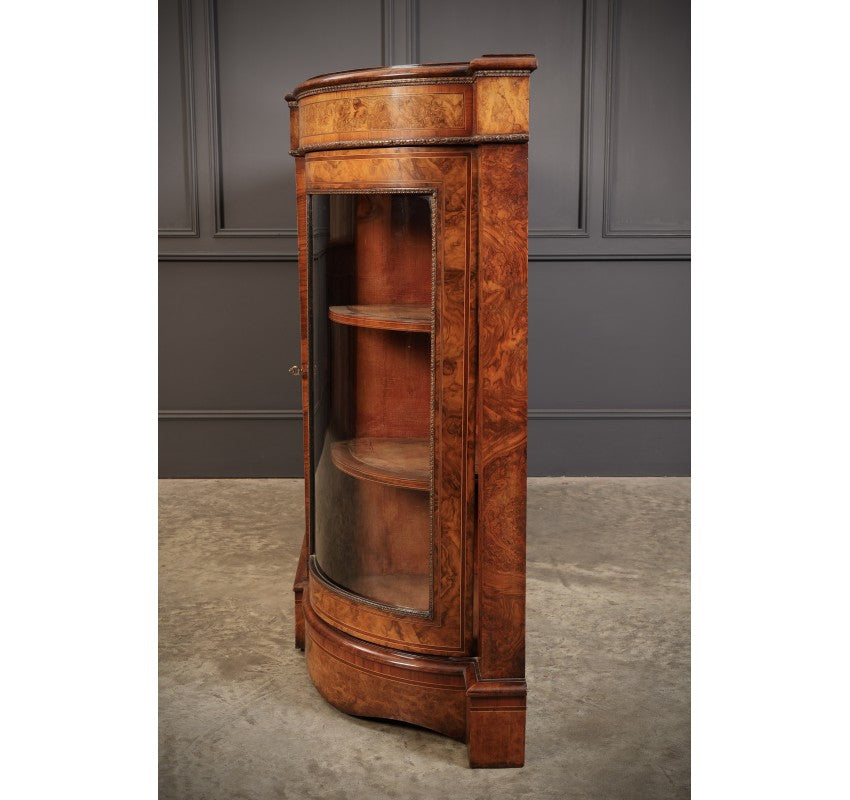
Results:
x,y
491,138
344,87
501,73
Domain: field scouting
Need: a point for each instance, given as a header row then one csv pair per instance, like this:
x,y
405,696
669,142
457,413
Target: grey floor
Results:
x,y
608,655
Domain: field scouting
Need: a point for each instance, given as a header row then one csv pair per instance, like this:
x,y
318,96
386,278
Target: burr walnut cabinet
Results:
x,y
412,187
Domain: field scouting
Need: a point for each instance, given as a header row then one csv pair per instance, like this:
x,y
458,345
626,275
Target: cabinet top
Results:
x,y
476,102
501,64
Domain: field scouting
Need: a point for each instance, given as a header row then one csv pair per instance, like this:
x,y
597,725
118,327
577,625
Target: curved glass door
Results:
x,y
371,335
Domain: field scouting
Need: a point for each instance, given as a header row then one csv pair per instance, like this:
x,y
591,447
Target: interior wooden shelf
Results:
x,y
405,591
396,462
415,318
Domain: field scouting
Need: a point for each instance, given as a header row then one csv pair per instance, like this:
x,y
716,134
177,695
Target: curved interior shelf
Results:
x,y
415,318
404,591
396,462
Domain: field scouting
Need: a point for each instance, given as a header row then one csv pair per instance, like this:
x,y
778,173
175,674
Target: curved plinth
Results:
x,y
444,695
371,681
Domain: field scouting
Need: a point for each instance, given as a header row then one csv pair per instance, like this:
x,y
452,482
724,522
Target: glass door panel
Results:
x,y
371,350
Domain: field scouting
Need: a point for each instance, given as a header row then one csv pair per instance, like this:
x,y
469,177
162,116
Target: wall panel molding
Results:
x,y
581,229
400,32
608,231
608,413
187,77
532,257
609,257
533,413
237,256
220,228
237,413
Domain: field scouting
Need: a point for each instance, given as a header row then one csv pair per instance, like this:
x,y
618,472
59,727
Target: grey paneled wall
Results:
x,y
609,219
229,283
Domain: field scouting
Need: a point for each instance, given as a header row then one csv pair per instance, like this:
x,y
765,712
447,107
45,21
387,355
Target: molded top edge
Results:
x,y
521,62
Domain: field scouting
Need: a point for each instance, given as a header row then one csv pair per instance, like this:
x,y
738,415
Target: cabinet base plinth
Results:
x,y
371,681
441,694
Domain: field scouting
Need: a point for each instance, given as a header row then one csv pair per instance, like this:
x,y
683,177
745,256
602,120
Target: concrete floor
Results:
x,y
608,655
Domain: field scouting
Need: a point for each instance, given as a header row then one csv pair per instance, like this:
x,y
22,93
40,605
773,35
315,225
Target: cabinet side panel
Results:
x,y
501,105
502,407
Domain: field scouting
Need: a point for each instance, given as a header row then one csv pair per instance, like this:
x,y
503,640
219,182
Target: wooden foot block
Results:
x,y
495,724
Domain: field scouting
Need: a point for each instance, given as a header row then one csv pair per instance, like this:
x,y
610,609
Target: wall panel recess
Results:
x,y
609,367
647,188
228,332
558,33
257,48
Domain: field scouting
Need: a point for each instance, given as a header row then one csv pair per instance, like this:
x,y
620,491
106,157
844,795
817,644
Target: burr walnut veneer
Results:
x,y
412,241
